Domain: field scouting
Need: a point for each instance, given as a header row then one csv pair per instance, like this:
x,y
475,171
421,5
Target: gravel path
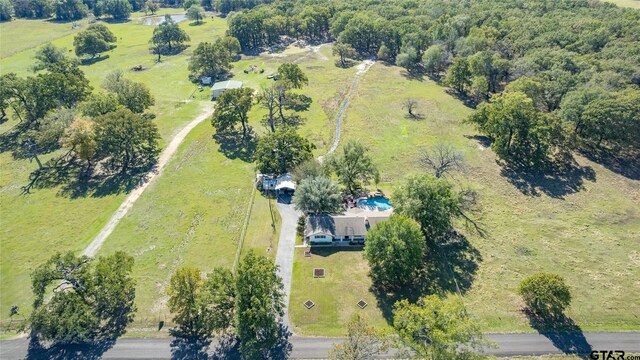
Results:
x,y
362,68
126,205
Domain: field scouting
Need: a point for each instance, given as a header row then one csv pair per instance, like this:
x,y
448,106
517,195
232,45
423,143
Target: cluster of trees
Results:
x,y
282,148
82,300
581,80
248,304
56,109
317,192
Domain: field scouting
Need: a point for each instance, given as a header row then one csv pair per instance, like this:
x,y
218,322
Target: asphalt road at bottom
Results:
x,y
318,347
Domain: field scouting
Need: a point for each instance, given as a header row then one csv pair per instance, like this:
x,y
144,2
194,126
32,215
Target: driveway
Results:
x,y
286,244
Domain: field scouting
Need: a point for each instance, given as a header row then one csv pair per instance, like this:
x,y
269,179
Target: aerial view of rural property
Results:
x,y
320,179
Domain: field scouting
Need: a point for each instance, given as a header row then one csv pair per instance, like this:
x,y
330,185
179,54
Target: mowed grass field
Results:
x,y
586,230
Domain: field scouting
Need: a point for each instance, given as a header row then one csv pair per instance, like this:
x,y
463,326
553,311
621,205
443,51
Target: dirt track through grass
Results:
x,y
126,205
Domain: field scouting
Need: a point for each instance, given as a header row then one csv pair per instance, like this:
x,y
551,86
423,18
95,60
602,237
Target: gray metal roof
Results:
x,y
229,84
335,225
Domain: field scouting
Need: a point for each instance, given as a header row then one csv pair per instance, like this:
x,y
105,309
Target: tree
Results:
x,y
209,59
408,58
354,167
410,105
168,38
230,43
545,294
117,9
317,195
479,89
281,151
344,51
6,10
70,10
259,305
309,169
186,4
49,57
201,306
98,104
126,140
51,129
133,95
521,135
363,342
292,75
93,41
196,13
233,106
433,60
437,328
614,120
442,159
394,249
459,75
429,201
151,6
91,300
80,137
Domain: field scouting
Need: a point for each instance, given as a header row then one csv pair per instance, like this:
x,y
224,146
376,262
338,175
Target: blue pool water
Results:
x,y
378,202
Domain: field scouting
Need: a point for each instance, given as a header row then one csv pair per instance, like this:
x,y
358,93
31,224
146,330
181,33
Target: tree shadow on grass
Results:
x,y
556,181
348,63
467,100
76,181
93,60
190,348
413,74
450,265
234,145
563,332
625,163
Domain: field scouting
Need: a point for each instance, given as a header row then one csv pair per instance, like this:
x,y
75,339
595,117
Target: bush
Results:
x,y
545,294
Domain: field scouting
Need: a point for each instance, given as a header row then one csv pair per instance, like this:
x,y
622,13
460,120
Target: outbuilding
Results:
x,y
221,86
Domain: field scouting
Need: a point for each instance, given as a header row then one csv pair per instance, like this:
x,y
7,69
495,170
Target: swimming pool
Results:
x,y
375,203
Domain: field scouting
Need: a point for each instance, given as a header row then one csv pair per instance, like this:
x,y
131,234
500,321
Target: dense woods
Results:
x,y
573,65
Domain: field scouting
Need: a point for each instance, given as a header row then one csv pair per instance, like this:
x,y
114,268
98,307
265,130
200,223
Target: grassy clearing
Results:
x,y
588,231
635,4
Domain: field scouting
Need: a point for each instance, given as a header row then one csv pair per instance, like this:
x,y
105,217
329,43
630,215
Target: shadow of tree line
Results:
x,y
226,347
560,177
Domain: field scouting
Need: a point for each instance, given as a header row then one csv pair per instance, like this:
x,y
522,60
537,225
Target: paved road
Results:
x,y
317,348
127,204
286,247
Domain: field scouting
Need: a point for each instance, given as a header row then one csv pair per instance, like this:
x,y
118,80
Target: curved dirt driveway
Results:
x,y
126,205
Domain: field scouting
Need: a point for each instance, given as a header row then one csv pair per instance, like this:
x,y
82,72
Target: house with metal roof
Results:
x,y
221,86
341,229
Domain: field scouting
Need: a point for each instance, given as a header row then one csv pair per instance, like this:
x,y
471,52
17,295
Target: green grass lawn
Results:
x,y
336,295
587,231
